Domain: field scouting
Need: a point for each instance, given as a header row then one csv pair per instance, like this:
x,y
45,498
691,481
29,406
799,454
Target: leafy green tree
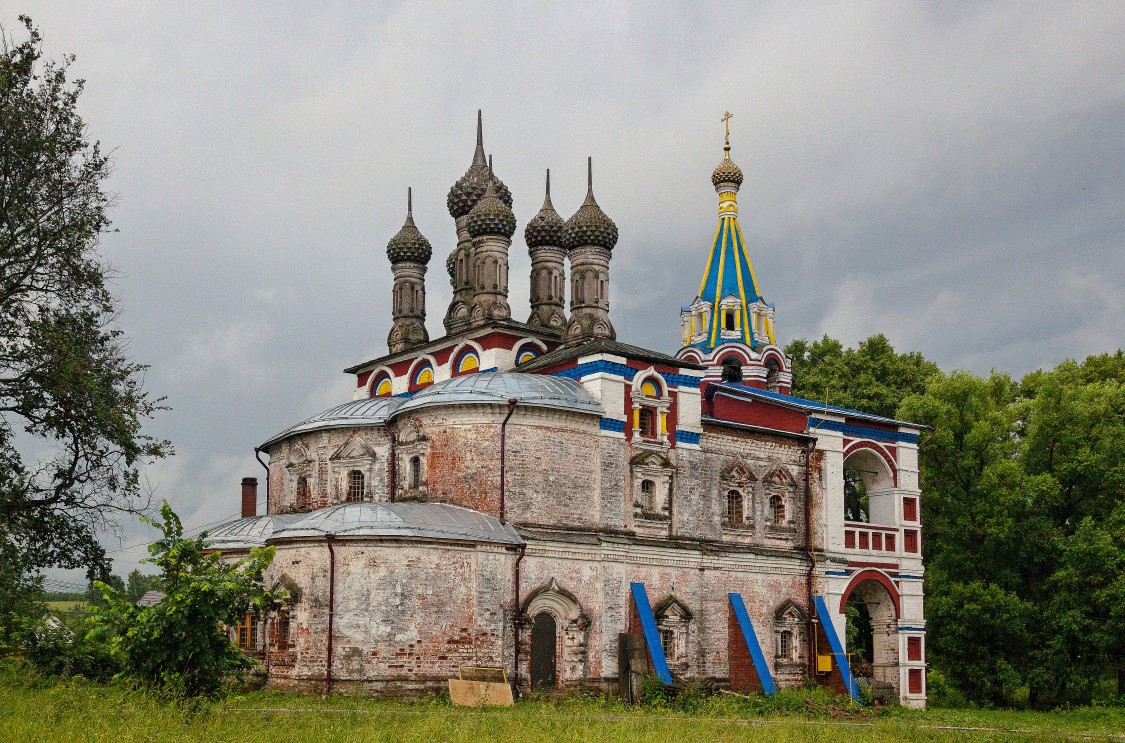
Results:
x,y
872,378
67,384
138,584
21,597
180,645
94,595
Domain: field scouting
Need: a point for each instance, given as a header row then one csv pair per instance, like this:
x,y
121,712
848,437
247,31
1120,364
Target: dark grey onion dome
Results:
x,y
491,216
546,227
440,521
727,173
451,264
409,244
470,188
590,225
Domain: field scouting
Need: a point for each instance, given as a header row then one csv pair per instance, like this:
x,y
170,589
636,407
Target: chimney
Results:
x,y
249,497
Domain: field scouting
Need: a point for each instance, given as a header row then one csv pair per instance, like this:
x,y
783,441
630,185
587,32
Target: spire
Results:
x,y
478,156
409,208
490,215
547,198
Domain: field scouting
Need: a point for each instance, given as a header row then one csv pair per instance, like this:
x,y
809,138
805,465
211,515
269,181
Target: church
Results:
x,y
532,495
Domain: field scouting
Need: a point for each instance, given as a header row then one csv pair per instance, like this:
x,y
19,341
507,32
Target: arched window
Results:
x,y
785,645
855,496
355,486
734,508
668,644
302,493
381,387
732,369
776,512
415,472
424,376
649,388
468,362
773,369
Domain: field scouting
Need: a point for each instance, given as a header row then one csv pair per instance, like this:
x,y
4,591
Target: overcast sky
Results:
x,y
949,175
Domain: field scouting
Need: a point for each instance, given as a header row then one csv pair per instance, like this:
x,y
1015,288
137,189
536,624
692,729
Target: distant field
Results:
x,y
66,605
80,711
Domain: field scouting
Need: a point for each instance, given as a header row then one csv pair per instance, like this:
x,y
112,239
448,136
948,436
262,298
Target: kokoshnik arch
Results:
x,y
519,494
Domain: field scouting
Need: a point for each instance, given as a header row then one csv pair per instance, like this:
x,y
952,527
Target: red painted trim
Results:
x,y
361,378
871,527
879,565
879,450
881,579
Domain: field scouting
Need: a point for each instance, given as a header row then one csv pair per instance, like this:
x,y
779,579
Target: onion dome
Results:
x,y
409,244
546,227
491,216
467,191
590,225
451,264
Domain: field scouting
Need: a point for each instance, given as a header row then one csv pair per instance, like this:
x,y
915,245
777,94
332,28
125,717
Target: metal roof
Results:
x,y
498,387
811,406
151,598
252,531
372,411
415,520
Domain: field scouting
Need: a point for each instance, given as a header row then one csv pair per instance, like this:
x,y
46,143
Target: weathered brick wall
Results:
x,y
325,458
406,614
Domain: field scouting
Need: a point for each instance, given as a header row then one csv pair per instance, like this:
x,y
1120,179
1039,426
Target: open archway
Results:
x,y
869,479
871,605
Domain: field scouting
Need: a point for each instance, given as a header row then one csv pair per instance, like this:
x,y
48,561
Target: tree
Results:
x,y
872,378
67,385
138,584
93,591
180,645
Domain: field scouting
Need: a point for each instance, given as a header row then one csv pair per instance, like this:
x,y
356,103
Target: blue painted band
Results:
x,y
687,437
752,643
910,577
863,432
610,424
838,573
837,648
911,629
652,636
621,370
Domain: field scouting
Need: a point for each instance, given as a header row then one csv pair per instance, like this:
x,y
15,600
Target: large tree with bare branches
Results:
x,y
71,399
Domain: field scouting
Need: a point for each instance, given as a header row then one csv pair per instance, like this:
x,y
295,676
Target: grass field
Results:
x,y
66,605
82,711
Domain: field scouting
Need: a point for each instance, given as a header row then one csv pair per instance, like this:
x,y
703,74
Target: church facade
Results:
x,y
523,494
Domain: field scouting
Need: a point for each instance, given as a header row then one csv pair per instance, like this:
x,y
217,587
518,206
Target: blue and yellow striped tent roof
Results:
x,y
729,273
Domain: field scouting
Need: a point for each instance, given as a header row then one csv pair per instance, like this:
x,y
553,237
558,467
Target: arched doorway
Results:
x,y
543,647
871,606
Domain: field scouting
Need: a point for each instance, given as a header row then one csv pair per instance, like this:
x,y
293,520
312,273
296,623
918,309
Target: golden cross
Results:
x,y
726,121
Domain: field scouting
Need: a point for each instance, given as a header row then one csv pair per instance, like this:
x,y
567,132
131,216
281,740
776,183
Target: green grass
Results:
x,y
66,605
77,710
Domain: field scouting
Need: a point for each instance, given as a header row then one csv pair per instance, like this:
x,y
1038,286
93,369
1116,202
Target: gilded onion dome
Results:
x,y
409,244
491,216
727,173
546,227
470,188
590,225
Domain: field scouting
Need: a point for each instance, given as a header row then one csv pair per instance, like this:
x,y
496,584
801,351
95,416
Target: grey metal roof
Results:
x,y
151,598
417,520
498,387
253,531
367,412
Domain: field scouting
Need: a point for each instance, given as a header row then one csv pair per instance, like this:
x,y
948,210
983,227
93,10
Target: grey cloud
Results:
x,y
950,174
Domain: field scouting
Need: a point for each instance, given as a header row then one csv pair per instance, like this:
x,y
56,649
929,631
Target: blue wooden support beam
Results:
x,y
752,644
652,635
837,647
